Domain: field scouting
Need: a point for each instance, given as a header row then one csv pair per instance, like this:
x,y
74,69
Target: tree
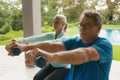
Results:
x,y
10,16
73,9
4,17
112,10
48,10
16,20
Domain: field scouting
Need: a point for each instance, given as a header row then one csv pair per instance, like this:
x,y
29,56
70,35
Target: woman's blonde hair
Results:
x,y
63,20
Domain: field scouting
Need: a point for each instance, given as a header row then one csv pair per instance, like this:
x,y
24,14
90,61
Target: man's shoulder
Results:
x,y
103,40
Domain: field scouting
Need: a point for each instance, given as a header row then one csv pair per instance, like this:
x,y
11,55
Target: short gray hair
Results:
x,y
94,15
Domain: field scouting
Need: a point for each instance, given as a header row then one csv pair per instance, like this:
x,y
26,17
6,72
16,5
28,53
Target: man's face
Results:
x,y
88,30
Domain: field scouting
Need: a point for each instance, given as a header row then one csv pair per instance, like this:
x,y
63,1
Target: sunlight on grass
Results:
x,y
6,38
116,52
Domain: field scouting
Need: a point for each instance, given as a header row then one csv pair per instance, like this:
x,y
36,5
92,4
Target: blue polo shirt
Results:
x,y
92,70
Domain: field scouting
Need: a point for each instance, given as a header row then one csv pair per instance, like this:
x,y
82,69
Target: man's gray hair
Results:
x,y
94,15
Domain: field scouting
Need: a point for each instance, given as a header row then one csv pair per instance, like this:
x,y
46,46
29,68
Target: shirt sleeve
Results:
x,y
104,48
70,43
33,39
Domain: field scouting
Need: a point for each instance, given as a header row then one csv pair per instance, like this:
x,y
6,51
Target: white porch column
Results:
x,y
31,17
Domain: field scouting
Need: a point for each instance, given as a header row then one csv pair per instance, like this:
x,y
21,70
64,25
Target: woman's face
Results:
x,y
58,25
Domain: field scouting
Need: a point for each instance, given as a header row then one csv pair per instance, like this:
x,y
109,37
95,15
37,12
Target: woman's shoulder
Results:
x,y
49,33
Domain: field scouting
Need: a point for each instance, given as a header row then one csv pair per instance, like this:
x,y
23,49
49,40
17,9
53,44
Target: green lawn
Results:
x,y
72,30
111,26
116,52
6,38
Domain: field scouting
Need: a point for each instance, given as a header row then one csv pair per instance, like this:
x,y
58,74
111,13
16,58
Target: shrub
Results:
x,y
47,28
5,28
